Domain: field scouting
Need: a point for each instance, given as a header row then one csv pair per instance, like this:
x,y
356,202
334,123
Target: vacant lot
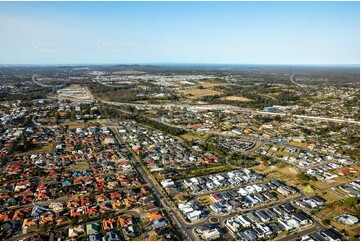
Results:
x,y
205,200
206,171
75,125
286,173
331,211
299,144
195,93
83,93
192,136
39,148
79,167
212,84
236,98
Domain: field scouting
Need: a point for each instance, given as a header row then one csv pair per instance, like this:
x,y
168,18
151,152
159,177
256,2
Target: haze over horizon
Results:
x,y
248,33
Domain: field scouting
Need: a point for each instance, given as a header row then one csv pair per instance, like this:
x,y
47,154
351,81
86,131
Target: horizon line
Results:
x,y
180,63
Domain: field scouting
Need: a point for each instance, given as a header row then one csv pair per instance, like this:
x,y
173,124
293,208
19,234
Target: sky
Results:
x,y
319,33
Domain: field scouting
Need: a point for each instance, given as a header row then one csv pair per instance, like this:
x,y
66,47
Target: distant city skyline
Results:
x,y
251,33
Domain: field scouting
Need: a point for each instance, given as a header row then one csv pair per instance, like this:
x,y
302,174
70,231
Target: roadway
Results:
x,y
294,81
222,107
187,228
158,194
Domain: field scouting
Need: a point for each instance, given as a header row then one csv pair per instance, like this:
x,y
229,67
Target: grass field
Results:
x,y
289,174
299,144
255,147
329,195
330,183
207,171
75,124
192,136
79,167
286,174
235,98
331,211
195,93
282,151
40,148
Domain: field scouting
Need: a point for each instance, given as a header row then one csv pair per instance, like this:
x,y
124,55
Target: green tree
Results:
x,y
326,222
351,201
303,177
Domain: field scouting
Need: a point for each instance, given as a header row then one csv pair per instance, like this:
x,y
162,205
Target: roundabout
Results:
x,y
214,220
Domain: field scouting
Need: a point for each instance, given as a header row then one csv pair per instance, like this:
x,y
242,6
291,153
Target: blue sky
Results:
x,y
180,32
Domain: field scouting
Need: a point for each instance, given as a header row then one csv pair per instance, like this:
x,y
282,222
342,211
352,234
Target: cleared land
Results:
x,y
299,144
192,136
212,84
83,93
205,200
207,171
75,125
78,167
236,98
39,148
331,211
195,93
130,72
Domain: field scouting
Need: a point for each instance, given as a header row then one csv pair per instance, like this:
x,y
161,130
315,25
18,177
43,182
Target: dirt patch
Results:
x,y
142,101
75,92
152,111
205,200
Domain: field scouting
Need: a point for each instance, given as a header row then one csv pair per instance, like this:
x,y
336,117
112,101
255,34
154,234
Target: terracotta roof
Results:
x,y
154,216
125,220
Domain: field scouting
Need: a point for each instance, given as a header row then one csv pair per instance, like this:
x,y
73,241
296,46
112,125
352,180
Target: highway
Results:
x,y
45,85
294,81
222,107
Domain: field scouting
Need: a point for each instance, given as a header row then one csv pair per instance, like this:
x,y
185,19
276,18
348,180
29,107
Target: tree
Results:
x,y
56,115
303,177
339,203
351,201
326,222
73,222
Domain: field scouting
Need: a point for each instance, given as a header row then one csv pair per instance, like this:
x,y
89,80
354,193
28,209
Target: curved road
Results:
x,y
45,85
294,81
